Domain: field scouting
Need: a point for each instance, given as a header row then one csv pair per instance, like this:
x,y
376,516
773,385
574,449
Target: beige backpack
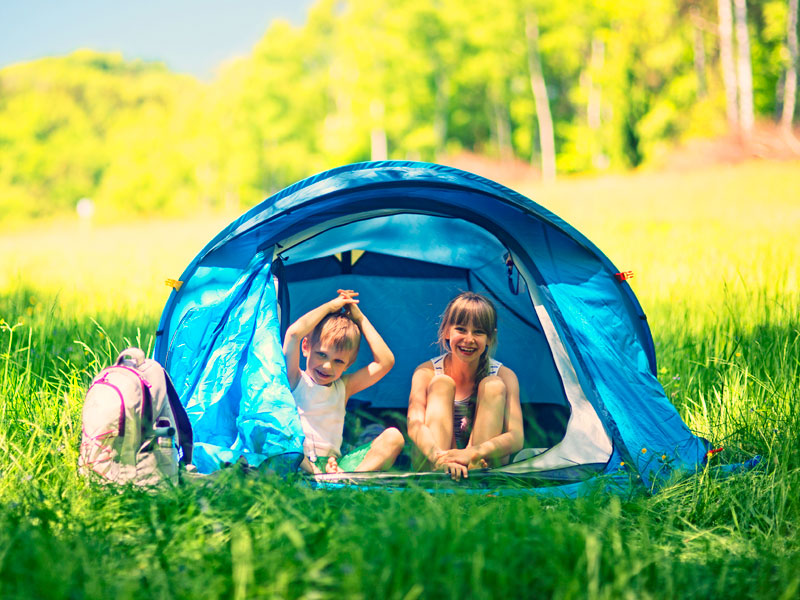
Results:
x,y
134,426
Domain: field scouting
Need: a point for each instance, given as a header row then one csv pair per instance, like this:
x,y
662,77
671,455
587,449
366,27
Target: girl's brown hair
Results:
x,y
469,308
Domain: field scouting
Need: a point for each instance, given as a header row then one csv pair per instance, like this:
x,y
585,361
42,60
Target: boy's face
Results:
x,y
324,363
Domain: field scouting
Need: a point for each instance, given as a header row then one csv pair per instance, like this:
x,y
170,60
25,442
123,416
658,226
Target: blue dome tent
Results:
x,y
408,236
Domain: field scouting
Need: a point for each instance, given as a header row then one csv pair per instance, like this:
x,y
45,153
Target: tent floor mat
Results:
x,y
487,479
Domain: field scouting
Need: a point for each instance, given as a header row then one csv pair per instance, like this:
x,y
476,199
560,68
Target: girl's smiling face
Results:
x,y
467,341
468,326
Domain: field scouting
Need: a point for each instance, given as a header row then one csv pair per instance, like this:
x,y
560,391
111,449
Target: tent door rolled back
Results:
x,y
408,237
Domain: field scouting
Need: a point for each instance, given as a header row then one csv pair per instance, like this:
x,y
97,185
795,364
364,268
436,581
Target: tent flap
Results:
x,y
228,366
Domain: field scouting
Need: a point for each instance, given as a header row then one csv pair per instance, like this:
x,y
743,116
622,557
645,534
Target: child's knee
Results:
x,y
439,409
492,387
442,384
393,438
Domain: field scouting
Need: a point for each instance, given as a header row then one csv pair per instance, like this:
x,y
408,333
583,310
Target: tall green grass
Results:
x,y
728,342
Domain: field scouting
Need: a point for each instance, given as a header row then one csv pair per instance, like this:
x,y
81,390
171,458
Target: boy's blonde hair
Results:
x,y
338,330
469,308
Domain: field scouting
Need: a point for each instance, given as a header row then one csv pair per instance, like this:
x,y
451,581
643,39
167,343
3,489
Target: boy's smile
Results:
x,y
325,363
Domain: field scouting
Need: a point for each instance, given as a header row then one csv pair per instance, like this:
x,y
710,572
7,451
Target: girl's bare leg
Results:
x,y
384,451
441,394
439,410
490,413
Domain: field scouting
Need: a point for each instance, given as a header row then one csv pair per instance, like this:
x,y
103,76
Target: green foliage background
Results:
x,y
431,78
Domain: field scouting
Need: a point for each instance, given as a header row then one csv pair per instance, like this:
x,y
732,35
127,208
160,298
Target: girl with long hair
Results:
x,y
464,410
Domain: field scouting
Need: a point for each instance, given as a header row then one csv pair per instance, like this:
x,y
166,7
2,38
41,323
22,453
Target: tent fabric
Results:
x,y
232,376
408,236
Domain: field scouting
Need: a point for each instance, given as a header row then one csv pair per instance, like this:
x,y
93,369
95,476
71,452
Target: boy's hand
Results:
x,y
345,298
353,311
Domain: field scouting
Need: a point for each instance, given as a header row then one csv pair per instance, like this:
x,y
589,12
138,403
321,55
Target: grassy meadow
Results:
x,y
715,257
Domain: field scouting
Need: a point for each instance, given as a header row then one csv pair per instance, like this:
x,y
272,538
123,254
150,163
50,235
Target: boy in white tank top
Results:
x,y
329,337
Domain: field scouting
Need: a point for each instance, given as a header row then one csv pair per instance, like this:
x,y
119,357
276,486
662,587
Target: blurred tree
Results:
x,y
66,125
585,85
727,63
269,111
539,89
744,68
699,48
790,82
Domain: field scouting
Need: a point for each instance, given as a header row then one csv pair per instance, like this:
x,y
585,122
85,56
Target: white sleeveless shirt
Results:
x,y
321,409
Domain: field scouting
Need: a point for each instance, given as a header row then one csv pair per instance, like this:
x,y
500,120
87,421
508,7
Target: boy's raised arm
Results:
x,y
382,357
304,326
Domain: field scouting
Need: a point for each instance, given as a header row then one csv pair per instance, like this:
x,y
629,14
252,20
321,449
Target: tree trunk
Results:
x,y
377,137
441,111
542,103
726,60
744,69
594,102
699,51
790,83
502,130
